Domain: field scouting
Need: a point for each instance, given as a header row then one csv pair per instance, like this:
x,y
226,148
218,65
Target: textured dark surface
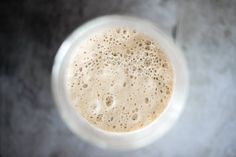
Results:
x,y
31,32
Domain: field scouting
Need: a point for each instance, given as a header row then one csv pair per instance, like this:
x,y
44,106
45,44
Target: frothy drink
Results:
x,y
119,79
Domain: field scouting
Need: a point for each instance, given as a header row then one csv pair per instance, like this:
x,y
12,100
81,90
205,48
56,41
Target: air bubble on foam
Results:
x,y
109,101
99,117
167,92
135,117
124,84
147,47
85,85
165,65
148,42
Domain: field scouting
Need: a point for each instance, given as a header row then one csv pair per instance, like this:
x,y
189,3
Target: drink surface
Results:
x,y
119,79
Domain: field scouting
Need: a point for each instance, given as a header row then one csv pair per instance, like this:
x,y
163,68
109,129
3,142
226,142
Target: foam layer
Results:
x,y
119,80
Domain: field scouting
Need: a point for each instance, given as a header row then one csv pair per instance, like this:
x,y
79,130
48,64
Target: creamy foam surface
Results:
x,y
119,80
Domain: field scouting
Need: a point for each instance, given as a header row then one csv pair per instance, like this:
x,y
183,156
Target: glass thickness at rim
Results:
x,y
111,140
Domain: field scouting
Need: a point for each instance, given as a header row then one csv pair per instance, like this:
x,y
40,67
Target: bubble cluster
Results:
x,y
120,79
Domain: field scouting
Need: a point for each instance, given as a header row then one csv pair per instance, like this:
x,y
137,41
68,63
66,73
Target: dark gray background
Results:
x,y
31,32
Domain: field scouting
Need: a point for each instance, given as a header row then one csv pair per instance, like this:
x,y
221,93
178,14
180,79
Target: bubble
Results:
x,y
109,101
147,62
165,65
146,100
85,86
135,116
148,42
111,118
124,84
99,117
167,92
147,47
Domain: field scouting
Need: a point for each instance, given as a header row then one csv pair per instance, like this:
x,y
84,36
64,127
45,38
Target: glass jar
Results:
x,y
126,140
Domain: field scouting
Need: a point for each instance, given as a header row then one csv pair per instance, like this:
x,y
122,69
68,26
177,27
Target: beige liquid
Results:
x,y
119,80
